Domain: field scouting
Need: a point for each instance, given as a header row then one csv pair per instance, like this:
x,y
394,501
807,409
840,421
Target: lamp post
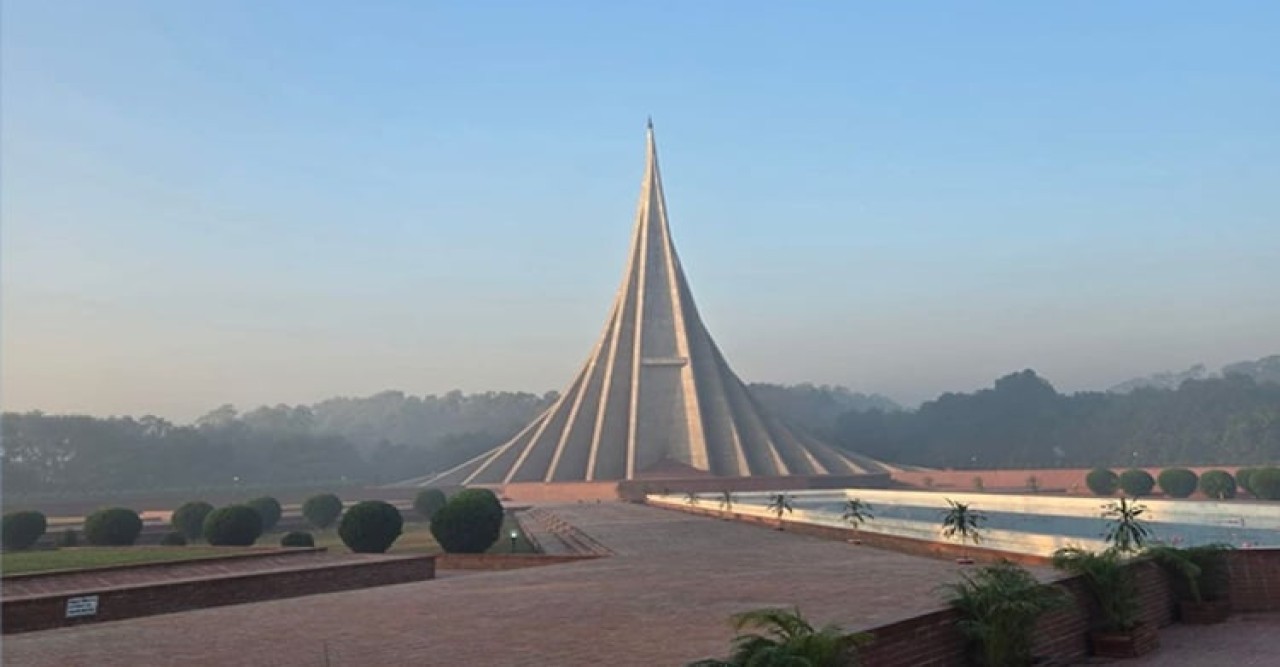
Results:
x,y
514,534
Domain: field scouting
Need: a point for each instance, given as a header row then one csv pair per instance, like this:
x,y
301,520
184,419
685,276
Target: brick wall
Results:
x,y
44,612
1254,583
503,561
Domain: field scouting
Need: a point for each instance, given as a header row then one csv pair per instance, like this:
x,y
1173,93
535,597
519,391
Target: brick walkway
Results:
x,y
662,600
1243,641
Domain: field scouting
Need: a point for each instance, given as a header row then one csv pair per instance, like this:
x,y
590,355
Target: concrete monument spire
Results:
x,y
655,394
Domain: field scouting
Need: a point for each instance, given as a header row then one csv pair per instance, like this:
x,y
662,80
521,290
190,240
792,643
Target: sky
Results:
x,y
256,202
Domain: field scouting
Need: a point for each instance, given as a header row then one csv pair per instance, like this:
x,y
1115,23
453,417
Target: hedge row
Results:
x,y
1263,483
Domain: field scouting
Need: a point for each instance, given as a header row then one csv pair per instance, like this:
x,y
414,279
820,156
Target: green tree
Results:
x,y
114,527
468,523
269,509
1102,481
1137,482
1177,482
322,510
189,518
779,503
1218,484
856,512
999,606
726,501
20,530
962,522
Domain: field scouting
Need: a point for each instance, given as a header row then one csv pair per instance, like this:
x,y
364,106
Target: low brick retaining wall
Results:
x,y
42,612
504,561
233,554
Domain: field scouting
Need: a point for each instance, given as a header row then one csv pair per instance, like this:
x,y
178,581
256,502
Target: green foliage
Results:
x,y
963,522
726,501
322,510
1109,580
189,518
785,639
233,526
112,527
428,502
856,512
1178,482
779,503
1102,481
20,530
297,538
69,538
690,498
1135,482
998,607
1218,484
1201,570
1244,477
1265,483
1126,530
268,508
469,523
174,538
371,526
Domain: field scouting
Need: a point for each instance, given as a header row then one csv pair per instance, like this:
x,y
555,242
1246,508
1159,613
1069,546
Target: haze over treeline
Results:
x,y
1020,421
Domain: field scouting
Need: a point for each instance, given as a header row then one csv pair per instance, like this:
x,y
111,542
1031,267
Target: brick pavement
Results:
x,y
661,600
1243,641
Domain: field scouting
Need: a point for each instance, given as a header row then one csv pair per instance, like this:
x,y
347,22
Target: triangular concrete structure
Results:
x,y
656,392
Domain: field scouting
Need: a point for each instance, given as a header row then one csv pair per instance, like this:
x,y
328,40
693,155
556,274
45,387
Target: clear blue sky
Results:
x,y
262,202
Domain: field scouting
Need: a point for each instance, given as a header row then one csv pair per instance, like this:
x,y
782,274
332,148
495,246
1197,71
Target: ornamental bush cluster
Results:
x,y
469,523
189,518
297,538
428,502
1218,484
1178,482
233,526
1264,483
322,510
1102,482
269,509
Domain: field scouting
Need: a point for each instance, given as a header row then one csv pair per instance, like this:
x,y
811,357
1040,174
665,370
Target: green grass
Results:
x,y
18,562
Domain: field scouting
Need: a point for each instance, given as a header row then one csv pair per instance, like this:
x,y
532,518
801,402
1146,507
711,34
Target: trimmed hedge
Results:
x,y
322,510
1244,479
1102,482
20,530
469,523
113,527
269,509
370,527
1137,482
1218,484
233,526
428,502
1265,483
189,518
174,538
297,538
1178,482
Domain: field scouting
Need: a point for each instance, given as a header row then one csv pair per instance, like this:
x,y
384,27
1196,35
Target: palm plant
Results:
x,y
1201,569
963,522
690,498
779,503
998,607
788,640
1109,580
856,512
1126,530
726,501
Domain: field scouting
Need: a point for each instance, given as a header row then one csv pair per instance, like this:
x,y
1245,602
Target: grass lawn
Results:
x,y
17,562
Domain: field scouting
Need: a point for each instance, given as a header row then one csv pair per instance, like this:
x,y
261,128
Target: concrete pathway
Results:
x,y
663,599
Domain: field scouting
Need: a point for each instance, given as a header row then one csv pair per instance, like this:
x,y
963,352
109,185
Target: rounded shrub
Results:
x,y
1265,483
1137,482
1218,484
469,523
297,538
321,511
428,502
174,538
112,527
189,518
269,509
233,526
1102,482
370,527
1178,482
1244,479
21,530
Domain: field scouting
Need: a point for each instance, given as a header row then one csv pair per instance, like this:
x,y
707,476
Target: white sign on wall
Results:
x,y
82,606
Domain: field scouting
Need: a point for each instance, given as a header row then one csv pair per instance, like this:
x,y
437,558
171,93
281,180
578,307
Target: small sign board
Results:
x,y
80,607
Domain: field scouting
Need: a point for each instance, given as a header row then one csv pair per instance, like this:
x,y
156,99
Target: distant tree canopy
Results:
x,y
1023,422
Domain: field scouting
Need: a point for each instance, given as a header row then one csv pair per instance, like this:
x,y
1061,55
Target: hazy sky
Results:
x,y
262,202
